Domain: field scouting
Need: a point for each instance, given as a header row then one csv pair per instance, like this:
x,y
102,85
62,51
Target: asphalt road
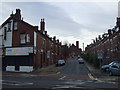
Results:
x,y
71,76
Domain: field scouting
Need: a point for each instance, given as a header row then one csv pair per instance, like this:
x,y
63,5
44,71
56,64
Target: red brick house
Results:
x,y
19,42
107,47
27,48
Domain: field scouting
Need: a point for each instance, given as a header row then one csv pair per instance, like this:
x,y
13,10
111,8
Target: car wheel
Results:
x,y
110,73
107,69
56,65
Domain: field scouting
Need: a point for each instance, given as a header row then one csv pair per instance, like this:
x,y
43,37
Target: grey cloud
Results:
x,y
56,18
94,17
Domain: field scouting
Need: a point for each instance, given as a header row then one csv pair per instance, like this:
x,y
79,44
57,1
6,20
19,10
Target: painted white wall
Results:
x,y
10,68
35,42
35,39
0,38
8,41
26,68
22,68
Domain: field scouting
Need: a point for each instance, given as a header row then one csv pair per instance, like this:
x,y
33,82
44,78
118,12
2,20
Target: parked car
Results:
x,y
78,57
106,67
114,69
81,61
60,62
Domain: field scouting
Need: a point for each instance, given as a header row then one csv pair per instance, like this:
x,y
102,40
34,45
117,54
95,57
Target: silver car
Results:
x,y
114,69
81,61
60,62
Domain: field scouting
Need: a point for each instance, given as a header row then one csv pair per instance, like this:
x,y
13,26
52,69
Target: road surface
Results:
x,y
71,76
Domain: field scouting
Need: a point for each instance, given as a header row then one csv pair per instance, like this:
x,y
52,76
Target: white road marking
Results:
x,y
75,82
16,83
64,86
91,77
11,84
58,72
62,78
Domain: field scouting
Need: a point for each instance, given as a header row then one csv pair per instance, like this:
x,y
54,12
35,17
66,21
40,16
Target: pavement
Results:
x,y
52,69
97,74
49,70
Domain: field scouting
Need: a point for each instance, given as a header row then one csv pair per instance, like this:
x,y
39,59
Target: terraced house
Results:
x,y
25,47
107,46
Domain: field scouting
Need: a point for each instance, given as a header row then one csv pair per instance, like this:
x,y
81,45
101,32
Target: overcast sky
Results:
x,y
71,21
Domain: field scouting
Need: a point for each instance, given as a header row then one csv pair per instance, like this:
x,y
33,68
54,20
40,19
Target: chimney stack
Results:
x,y
96,39
18,14
11,14
118,21
45,32
60,43
77,44
99,37
18,11
113,31
57,40
54,38
109,32
42,25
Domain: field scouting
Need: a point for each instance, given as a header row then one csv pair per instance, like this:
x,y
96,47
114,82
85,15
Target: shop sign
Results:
x,y
19,51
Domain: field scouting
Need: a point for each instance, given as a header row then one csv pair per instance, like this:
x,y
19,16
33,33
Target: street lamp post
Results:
x,y
83,47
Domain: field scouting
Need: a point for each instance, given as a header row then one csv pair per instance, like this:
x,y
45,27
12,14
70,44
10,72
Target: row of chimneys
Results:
x,y
42,27
110,31
18,17
105,35
77,44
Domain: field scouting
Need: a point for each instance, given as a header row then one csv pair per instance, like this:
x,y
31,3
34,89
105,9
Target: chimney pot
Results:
x,y
18,11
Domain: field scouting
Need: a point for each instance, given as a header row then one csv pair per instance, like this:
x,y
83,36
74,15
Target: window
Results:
x,y
15,26
9,26
114,66
28,38
5,32
43,42
24,38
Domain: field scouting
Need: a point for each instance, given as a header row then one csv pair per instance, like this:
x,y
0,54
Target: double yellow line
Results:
x,y
91,76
